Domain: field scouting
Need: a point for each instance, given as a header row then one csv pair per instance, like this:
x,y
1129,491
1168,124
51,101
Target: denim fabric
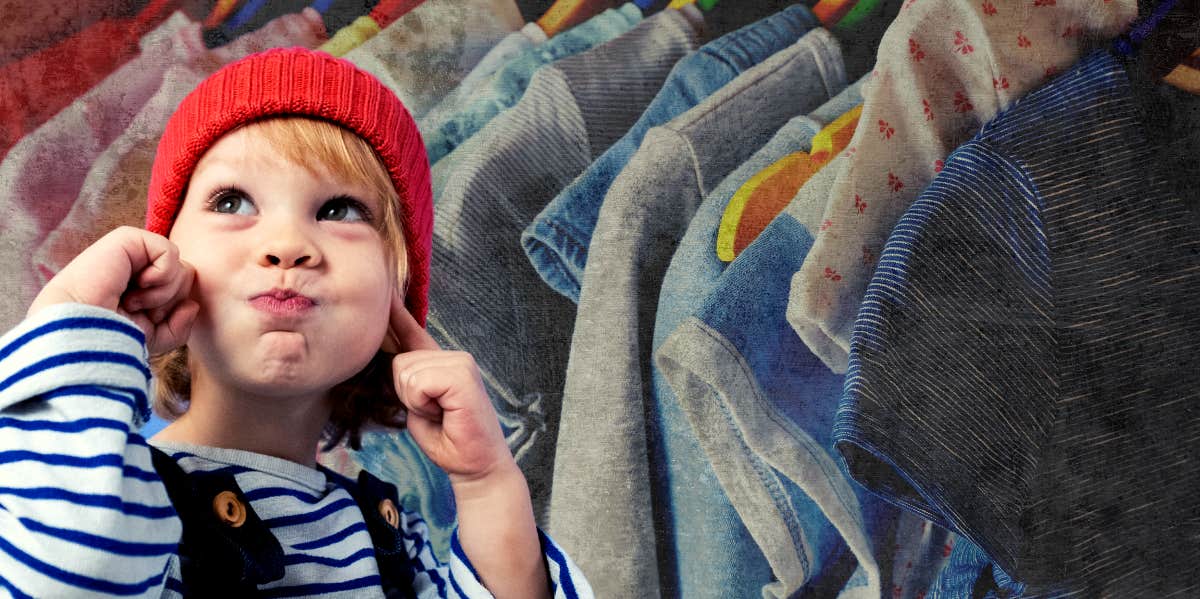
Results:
x,y
684,477
970,574
557,240
505,50
510,82
424,488
761,405
601,473
487,300
1020,366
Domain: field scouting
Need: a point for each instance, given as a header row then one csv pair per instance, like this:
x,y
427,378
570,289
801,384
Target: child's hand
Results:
x,y
449,414
452,420
137,274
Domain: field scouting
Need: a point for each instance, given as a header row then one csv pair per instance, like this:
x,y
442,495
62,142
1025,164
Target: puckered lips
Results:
x,y
283,302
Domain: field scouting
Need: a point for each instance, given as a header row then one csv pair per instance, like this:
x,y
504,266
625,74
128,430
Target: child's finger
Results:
x,y
418,390
163,266
148,254
160,299
404,332
174,331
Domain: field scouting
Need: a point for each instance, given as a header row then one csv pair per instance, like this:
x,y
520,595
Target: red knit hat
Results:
x,y
301,82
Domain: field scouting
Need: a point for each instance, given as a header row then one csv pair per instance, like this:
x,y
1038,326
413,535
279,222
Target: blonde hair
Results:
x,y
320,147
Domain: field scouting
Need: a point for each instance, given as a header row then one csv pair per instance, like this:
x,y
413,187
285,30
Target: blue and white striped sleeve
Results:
x,y
82,511
458,579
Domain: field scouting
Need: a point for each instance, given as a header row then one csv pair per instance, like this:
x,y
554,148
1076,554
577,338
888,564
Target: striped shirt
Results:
x,y
83,512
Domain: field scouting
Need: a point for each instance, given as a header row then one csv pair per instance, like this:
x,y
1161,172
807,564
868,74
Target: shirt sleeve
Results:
x,y
458,579
82,510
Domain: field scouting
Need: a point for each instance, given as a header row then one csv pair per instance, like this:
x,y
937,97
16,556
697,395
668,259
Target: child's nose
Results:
x,y
276,260
287,244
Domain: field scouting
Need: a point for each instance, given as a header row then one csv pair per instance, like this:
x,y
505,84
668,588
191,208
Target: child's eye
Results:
x,y
344,209
231,201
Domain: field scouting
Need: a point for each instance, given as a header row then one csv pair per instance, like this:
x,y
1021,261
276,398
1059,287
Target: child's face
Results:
x,y
258,229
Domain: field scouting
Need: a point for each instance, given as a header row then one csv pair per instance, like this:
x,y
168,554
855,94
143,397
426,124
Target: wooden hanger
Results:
x,y
1186,76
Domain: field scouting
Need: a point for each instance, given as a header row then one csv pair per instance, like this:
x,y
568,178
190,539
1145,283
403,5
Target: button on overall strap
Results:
x,y
226,548
379,502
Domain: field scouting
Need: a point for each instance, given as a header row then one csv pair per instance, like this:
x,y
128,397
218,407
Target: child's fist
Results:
x,y
449,414
137,274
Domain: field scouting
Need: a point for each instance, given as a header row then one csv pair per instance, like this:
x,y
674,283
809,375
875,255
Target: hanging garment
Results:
x,y
425,53
481,74
114,191
486,300
1025,355
601,476
42,174
34,88
557,240
32,26
510,82
747,556
918,553
761,408
970,574
943,69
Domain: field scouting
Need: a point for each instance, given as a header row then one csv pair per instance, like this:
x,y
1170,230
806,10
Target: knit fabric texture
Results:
x,y
301,82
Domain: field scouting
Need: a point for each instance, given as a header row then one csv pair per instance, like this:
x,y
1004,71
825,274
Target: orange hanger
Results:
x,y
768,192
220,11
829,12
565,14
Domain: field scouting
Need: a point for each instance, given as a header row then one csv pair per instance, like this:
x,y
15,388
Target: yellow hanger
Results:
x,y
565,14
678,4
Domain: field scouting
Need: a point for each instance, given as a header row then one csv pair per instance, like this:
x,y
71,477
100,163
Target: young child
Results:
x,y
289,226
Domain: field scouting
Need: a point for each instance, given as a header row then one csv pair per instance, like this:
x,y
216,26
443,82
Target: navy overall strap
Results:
x,y
370,493
217,559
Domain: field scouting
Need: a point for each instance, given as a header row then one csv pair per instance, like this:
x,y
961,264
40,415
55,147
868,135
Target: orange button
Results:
x,y
390,514
229,509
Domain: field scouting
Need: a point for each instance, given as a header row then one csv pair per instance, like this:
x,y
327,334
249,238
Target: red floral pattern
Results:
x,y
887,130
962,45
915,51
962,103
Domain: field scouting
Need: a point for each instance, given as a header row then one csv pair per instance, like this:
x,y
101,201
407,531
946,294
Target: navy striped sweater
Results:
x,y
83,512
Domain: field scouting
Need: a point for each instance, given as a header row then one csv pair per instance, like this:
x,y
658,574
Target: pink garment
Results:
x,y
41,176
944,68
34,88
114,192
32,26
